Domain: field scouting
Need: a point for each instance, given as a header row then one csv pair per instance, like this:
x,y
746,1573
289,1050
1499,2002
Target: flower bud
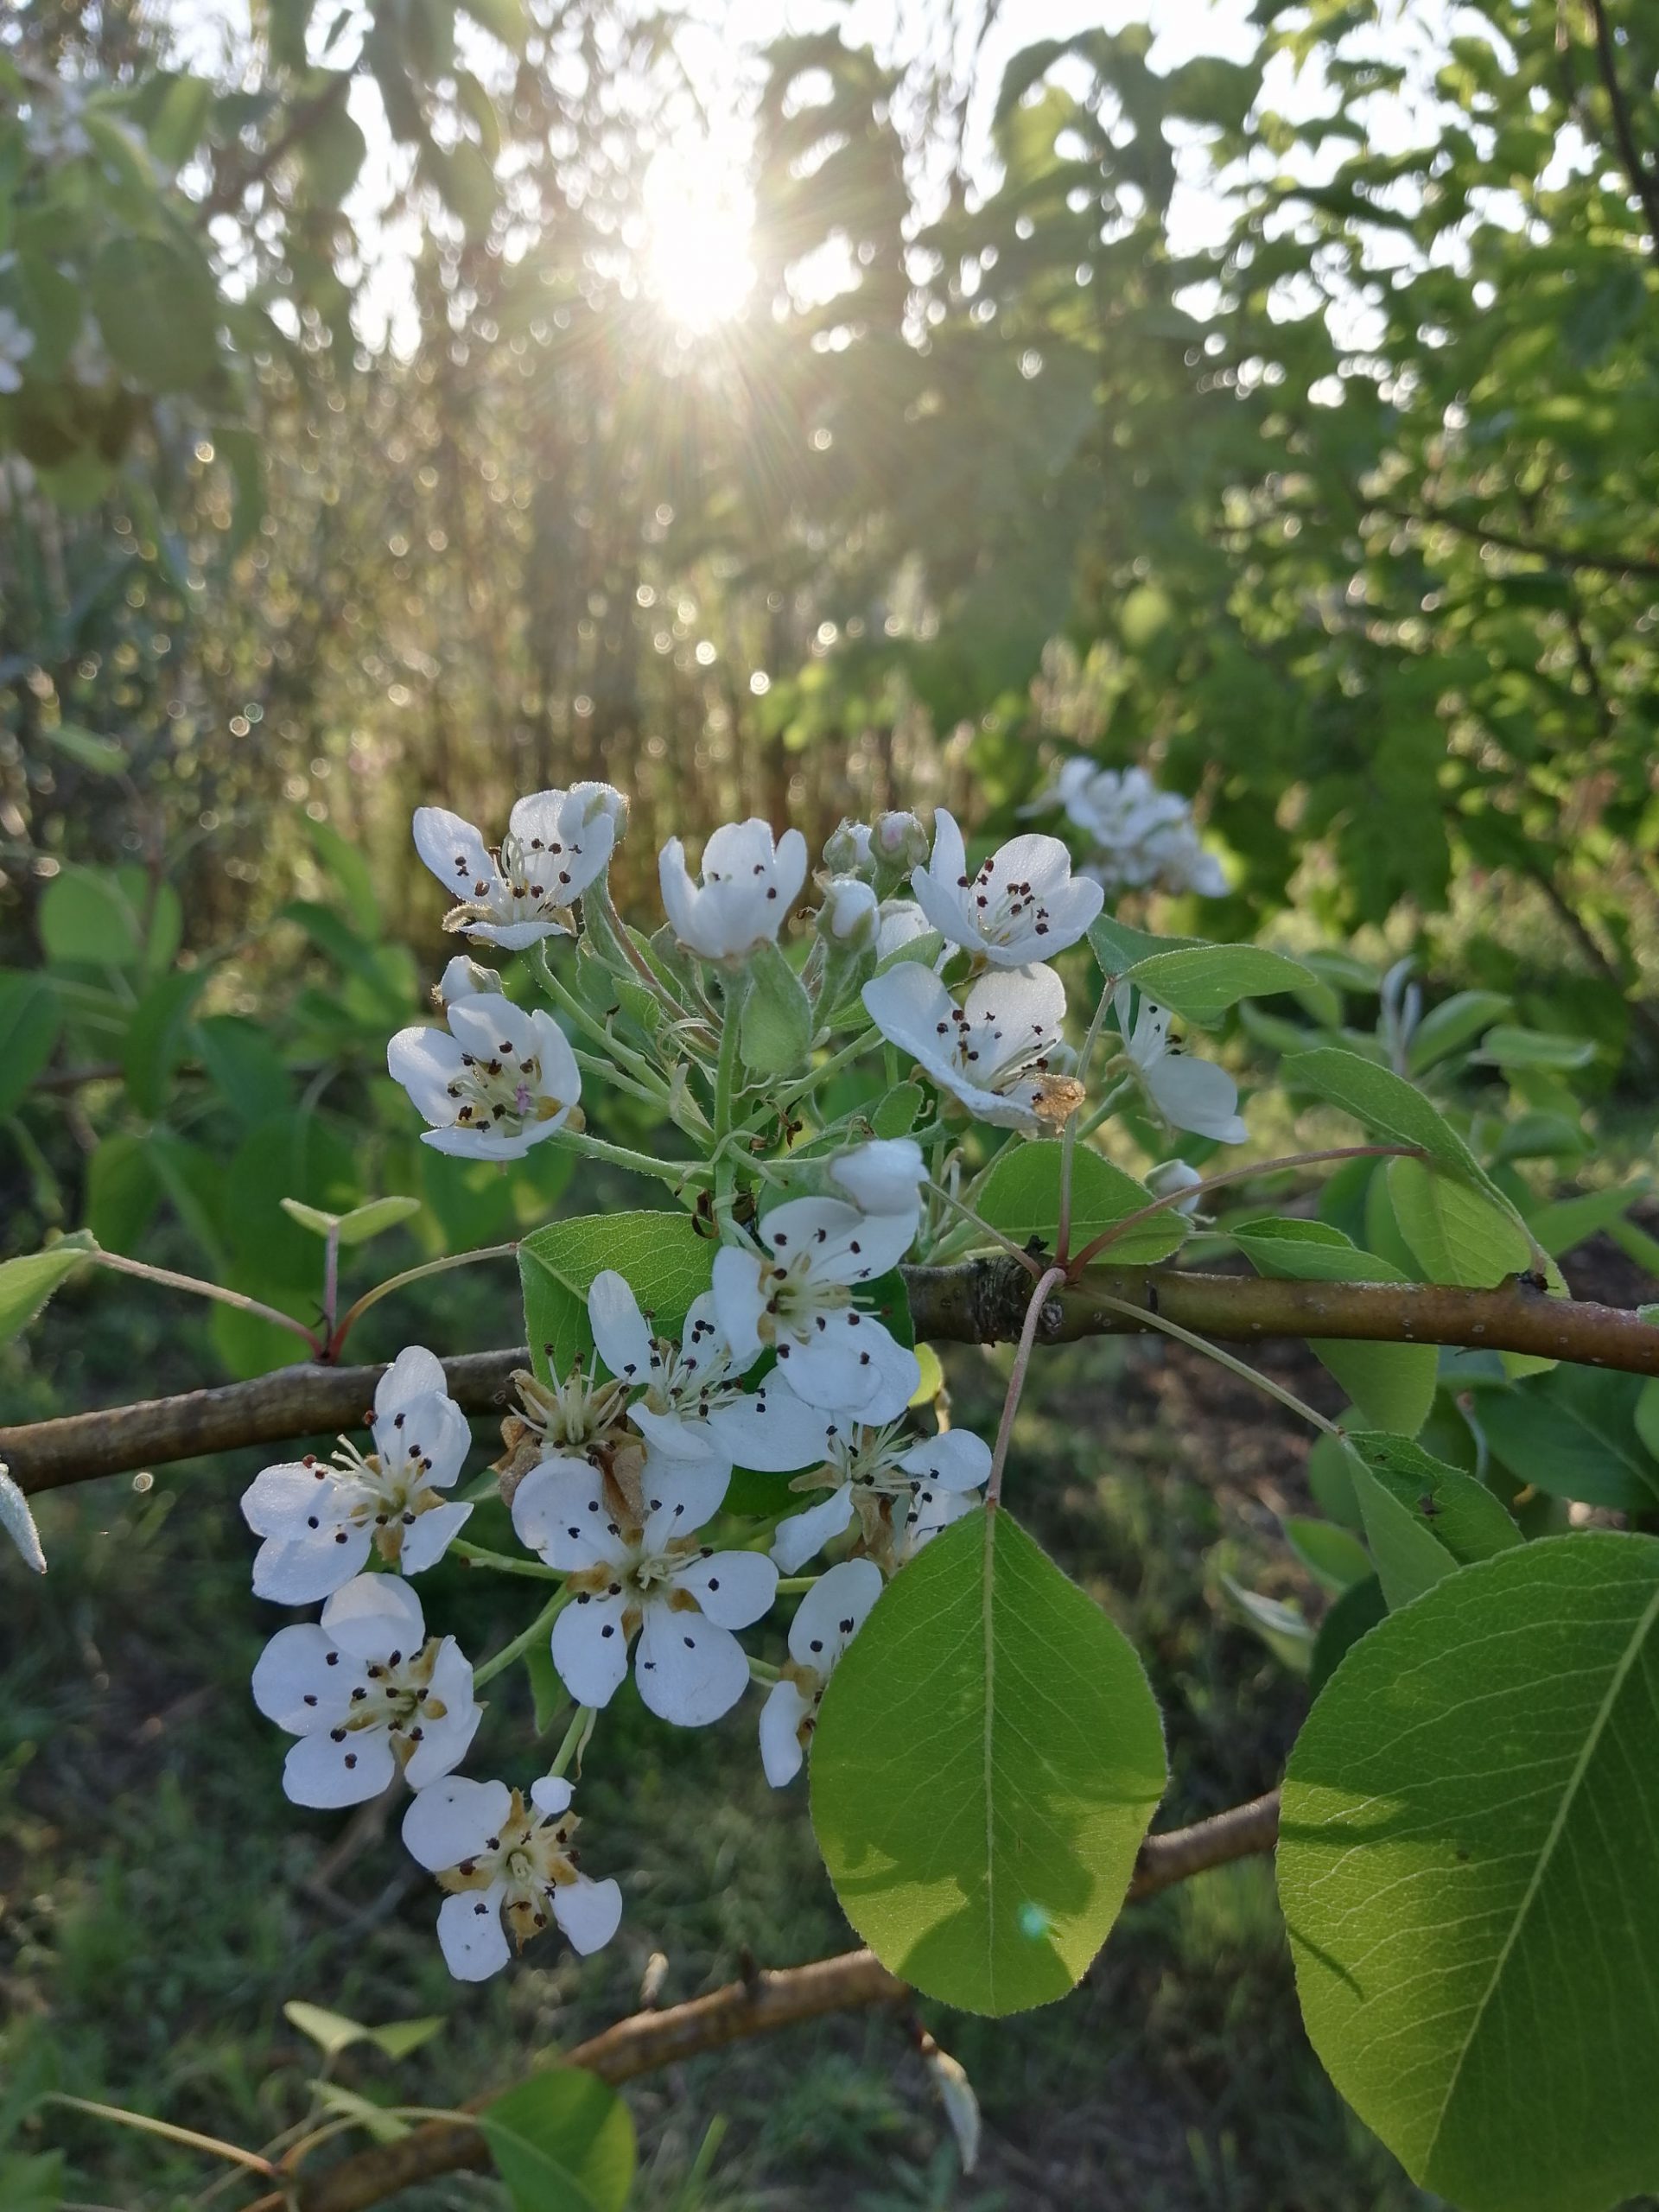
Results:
x,y
593,800
899,841
464,979
848,914
882,1177
1176,1175
846,850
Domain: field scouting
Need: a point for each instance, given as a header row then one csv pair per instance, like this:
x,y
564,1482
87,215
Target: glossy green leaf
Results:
x,y
1572,1432
1200,982
27,1282
1352,1615
1422,1517
1331,1554
1533,1048
1469,1867
665,1260
986,1758
30,1018
1392,1384
1559,1227
1387,1105
1457,1235
562,2141
1457,1021
775,1028
1021,1197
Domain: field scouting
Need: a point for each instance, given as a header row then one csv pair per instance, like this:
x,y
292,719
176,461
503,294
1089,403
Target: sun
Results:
x,y
698,218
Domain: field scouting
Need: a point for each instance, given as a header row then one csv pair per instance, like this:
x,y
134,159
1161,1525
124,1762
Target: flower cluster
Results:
x,y
619,1460
1139,838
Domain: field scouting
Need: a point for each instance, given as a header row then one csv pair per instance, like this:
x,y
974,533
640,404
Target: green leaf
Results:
x,y
1568,1222
157,308
349,867
246,1068
174,131
156,1036
332,151
357,1226
1535,1048
102,755
1355,1613
895,1114
123,1190
1572,1432
503,19
28,1282
30,1018
666,1262
1386,1103
1422,1517
986,1758
562,2141
775,1028
1457,1021
332,2032
547,1691
397,2038
1281,1627
1456,1235
1330,1553
87,921
1201,982
1469,1867
1393,1385
1118,947
1021,1197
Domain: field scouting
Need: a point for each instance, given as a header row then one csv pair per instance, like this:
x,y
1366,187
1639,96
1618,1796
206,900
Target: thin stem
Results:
x,y
1092,1121
354,1314
330,1279
1109,1236
541,1626
791,1584
591,1064
760,1672
503,1562
1049,1280
676,1172
725,1097
575,1742
1070,1134
1239,1367
1014,1251
833,1065
589,1022
195,1285
187,2136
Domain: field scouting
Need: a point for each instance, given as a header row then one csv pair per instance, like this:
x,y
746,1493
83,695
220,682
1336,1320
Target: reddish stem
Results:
x,y
1046,1282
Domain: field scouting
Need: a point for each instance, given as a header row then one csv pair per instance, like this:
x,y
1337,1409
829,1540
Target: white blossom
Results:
x,y
831,1614
902,922
1190,1094
508,1866
557,843
898,839
884,1176
320,1519
636,1568
996,1053
846,848
368,1693
902,1490
19,1522
1142,838
1173,1175
497,1081
795,1297
682,1389
463,978
1024,904
746,889
849,913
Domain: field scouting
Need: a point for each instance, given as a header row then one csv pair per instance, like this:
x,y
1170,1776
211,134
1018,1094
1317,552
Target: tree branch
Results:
x,y
1629,154
973,1301
1554,557
757,2006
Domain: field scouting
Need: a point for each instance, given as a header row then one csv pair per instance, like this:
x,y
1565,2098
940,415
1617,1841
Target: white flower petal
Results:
x,y
374,1615
470,1934
781,1738
733,1588
302,1682
620,1336
425,1543
955,1460
680,1496
590,1649
1197,1096
690,1670
560,1510
740,1301
428,1435
416,1373
455,1819
281,1501
884,1176
426,1061
320,1772
301,1570
851,1365
832,1612
446,1739
804,1534
550,1794
455,853
772,1431
588,1912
